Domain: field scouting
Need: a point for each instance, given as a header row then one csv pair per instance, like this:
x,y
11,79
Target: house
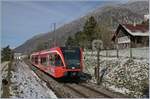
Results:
x,y
131,35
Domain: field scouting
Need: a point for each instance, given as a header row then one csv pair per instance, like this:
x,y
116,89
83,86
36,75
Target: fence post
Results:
x,y
131,51
106,52
117,50
117,47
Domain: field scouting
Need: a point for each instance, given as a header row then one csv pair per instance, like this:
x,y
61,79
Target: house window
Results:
x,y
139,40
121,34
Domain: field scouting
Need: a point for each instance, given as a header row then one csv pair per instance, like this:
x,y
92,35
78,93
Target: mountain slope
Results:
x,y
110,15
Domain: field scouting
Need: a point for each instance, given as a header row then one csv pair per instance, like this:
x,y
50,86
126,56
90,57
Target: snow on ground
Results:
x,y
26,84
123,75
132,76
4,67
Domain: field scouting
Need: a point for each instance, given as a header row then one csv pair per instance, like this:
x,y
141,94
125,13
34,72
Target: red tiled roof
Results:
x,y
137,28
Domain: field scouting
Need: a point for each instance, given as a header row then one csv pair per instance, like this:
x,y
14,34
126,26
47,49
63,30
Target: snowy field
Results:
x,y
136,53
26,84
4,67
122,75
4,72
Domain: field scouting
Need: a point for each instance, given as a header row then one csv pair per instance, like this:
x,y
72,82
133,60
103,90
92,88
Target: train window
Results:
x,y
44,61
58,61
32,58
36,59
72,57
51,59
55,60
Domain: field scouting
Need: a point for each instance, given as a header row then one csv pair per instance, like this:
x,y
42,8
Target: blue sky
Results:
x,y
22,20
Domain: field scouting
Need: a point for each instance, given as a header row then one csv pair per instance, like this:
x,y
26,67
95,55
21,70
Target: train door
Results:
x,y
56,64
55,60
36,59
58,61
51,63
43,62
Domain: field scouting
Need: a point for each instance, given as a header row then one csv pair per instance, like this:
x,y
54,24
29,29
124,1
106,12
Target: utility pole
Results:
x,y
54,34
98,64
97,45
49,43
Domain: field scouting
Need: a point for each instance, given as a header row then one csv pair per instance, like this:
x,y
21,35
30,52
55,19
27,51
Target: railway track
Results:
x,y
99,93
70,90
60,90
86,91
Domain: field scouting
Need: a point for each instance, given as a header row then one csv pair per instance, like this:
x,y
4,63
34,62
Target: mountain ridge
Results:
x,y
111,15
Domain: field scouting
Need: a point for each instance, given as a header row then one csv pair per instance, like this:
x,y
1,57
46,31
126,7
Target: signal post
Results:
x,y
97,45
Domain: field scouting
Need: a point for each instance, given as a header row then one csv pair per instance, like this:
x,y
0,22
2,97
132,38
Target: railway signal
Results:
x,y
97,45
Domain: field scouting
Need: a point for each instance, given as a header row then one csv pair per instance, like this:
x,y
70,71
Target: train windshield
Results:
x,y
72,57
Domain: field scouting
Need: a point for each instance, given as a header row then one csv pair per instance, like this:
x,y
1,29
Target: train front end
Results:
x,y
73,61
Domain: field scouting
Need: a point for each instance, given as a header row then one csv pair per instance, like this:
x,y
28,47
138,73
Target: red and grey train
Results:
x,y
59,61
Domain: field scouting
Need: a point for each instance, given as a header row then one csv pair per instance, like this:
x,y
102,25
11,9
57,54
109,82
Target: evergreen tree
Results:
x,y
70,41
91,31
89,28
77,37
84,38
6,54
104,34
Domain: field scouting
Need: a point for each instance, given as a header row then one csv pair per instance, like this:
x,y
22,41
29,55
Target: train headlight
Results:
x,y
73,67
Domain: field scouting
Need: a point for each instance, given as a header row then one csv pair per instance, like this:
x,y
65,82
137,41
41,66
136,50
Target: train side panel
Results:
x,y
57,71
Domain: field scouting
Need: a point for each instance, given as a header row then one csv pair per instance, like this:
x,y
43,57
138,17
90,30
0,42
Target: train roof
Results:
x,y
52,49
